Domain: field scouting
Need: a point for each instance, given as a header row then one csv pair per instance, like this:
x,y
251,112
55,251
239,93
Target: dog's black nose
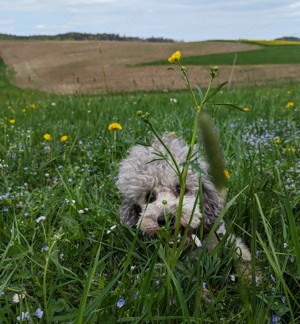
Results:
x,y
161,221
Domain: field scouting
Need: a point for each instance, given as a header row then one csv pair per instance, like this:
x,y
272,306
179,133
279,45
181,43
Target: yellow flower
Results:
x,y
246,109
114,127
63,138
47,137
290,104
175,57
12,121
226,174
289,149
33,106
277,140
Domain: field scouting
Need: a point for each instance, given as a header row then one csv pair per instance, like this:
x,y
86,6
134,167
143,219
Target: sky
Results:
x,y
186,20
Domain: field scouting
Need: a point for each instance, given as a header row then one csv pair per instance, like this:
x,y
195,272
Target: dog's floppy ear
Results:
x,y
212,203
129,213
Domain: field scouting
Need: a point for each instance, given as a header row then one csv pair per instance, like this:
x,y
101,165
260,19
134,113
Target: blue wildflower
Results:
x,y
39,313
23,317
120,302
257,279
275,319
291,259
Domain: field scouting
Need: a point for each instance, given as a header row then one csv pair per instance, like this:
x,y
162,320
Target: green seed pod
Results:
x,y
213,151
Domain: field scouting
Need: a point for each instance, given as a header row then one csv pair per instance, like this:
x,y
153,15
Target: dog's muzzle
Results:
x,y
169,221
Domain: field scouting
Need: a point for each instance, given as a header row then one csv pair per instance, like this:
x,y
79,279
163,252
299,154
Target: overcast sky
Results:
x,y
188,20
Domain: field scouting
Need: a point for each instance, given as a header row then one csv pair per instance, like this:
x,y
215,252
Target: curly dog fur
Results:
x,y
150,189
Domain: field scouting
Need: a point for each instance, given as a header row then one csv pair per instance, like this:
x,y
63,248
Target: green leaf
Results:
x,y
200,93
214,92
213,151
179,74
228,105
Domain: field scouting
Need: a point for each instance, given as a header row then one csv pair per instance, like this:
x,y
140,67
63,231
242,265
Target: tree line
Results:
x,y
83,37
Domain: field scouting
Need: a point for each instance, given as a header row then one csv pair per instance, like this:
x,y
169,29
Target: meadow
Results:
x,y
269,53
65,257
93,67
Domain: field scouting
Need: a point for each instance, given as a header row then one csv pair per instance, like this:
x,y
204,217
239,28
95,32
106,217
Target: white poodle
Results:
x,y
150,188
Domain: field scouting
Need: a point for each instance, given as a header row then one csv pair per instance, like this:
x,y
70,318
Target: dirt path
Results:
x,y
97,67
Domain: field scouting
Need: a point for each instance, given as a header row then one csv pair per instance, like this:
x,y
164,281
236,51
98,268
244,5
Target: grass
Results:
x,y
8,90
63,250
266,55
272,42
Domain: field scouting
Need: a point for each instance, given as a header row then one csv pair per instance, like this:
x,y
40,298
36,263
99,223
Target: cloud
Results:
x,y
295,5
6,22
180,20
88,2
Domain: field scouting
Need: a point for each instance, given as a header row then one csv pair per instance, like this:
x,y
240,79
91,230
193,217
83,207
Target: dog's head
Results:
x,y
150,188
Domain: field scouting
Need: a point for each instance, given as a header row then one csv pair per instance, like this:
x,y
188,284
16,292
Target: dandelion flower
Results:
x,y
12,121
226,174
47,137
114,127
175,57
63,138
246,109
290,104
277,140
33,106
289,149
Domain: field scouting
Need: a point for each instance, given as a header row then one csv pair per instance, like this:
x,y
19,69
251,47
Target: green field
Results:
x,y
267,55
61,252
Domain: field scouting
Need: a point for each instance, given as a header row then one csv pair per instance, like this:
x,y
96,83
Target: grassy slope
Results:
x,y
9,91
267,55
74,253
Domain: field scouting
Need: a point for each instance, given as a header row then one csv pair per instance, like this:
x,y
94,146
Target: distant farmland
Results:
x,y
116,66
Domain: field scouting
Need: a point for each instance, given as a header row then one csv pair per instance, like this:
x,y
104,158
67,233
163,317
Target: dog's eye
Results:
x,y
178,190
150,197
